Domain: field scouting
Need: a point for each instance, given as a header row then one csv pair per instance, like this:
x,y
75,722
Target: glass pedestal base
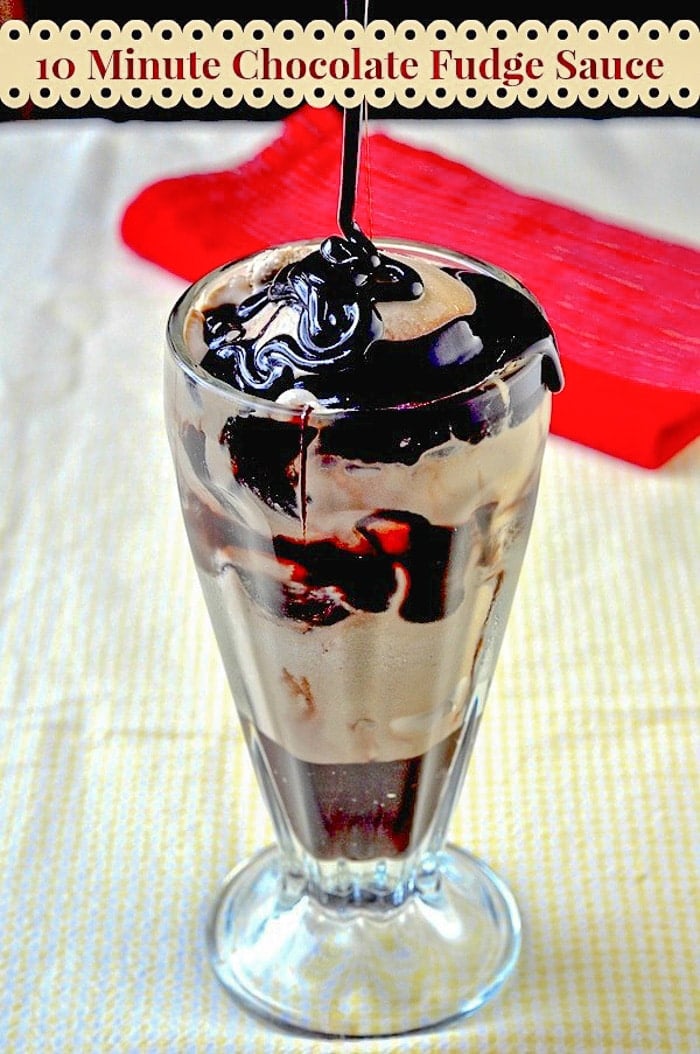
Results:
x,y
377,969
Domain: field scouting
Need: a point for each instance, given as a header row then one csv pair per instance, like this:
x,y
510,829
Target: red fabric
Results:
x,y
623,305
10,9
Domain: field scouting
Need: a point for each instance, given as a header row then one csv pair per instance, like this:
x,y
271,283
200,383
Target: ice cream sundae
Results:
x,y
358,469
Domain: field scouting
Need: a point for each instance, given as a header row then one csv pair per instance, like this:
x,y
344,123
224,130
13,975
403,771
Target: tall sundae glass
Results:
x,y
357,430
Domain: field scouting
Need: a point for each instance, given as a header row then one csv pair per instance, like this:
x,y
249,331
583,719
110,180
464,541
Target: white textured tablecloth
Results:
x,y
125,790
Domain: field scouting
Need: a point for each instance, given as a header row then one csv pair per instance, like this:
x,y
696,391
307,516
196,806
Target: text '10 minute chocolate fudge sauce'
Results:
x,y
359,511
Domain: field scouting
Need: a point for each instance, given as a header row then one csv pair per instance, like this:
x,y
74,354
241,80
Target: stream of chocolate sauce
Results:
x,y
336,356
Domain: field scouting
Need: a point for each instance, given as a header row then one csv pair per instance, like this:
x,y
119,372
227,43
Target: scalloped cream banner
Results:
x,y
347,63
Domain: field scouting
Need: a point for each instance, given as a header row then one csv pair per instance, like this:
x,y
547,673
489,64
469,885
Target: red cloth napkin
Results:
x,y
623,305
11,9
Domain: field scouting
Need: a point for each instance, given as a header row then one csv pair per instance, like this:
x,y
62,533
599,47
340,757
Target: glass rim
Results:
x,y
178,352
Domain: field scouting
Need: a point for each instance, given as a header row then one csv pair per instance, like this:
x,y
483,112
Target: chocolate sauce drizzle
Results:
x,y
334,292
337,352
